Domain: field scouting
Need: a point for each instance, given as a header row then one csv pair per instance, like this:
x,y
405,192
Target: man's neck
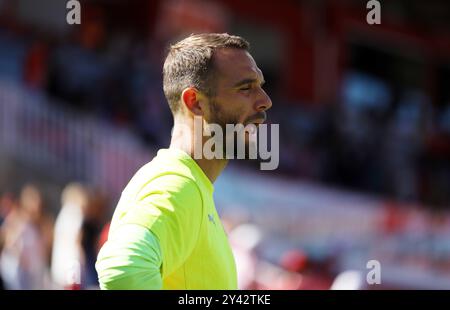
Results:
x,y
183,139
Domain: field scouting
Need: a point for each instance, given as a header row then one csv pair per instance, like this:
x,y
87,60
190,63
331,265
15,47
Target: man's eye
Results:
x,y
246,88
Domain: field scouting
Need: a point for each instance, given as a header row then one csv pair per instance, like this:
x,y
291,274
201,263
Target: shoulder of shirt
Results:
x,y
169,182
159,173
165,183
162,166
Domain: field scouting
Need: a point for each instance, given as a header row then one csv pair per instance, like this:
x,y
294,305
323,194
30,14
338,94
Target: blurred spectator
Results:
x,y
77,233
27,238
93,220
8,205
68,251
244,239
349,280
315,275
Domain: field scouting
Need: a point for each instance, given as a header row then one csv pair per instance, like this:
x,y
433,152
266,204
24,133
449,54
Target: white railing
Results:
x,y
69,144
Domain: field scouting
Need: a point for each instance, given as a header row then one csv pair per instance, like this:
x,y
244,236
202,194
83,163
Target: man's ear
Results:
x,y
191,99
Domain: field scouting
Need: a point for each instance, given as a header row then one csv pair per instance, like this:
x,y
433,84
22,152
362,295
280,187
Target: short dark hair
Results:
x,y
189,64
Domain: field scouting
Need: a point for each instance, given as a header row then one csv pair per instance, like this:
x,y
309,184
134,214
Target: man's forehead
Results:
x,y
233,63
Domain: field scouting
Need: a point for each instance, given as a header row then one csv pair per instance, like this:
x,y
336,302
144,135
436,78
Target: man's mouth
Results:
x,y
259,121
261,118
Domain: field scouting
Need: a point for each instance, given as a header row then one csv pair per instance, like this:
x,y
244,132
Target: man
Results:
x,y
165,232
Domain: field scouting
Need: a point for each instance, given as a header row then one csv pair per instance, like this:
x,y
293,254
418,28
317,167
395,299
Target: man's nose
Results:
x,y
263,103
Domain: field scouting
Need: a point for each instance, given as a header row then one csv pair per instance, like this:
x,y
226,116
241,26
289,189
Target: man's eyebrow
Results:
x,y
247,81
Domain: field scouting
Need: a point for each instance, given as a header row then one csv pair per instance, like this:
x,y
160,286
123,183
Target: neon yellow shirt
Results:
x,y
166,233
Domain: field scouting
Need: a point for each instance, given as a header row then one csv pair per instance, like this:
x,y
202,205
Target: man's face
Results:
x,y
239,97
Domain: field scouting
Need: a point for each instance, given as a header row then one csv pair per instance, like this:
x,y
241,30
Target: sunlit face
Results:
x,y
239,96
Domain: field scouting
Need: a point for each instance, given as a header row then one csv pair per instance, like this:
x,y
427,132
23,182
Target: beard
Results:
x,y
237,141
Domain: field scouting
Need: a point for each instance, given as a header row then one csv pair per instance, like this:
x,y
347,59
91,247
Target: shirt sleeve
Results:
x,y
130,260
171,207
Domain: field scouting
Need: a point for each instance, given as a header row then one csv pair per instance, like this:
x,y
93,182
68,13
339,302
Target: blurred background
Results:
x,y
364,114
